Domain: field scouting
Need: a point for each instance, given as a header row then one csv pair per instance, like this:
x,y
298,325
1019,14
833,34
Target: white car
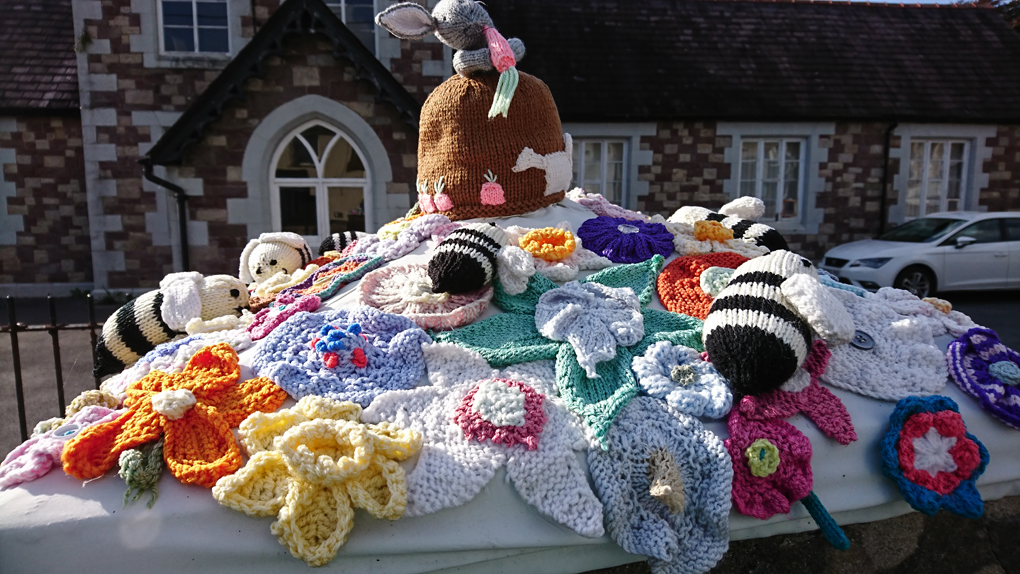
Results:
x,y
939,252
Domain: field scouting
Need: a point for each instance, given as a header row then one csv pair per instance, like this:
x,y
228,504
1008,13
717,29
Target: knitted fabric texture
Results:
x,y
760,327
939,320
285,306
903,361
278,252
815,401
194,410
549,243
265,293
224,323
329,279
513,337
407,290
679,376
141,468
474,420
688,541
465,261
679,284
461,150
932,458
761,490
687,241
35,457
390,344
339,241
599,205
517,266
407,240
92,397
988,371
311,466
734,216
624,240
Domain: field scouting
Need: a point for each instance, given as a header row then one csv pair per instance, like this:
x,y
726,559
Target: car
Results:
x,y
949,251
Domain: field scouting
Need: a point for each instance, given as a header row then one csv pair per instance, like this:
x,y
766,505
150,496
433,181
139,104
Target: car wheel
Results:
x,y
916,280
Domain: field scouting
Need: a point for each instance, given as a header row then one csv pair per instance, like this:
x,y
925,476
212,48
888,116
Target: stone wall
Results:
x,y
687,167
1003,169
46,235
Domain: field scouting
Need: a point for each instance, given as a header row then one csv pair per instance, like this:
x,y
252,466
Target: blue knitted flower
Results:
x,y
932,458
625,241
298,357
679,375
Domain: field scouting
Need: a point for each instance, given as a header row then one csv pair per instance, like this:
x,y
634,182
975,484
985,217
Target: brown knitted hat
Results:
x,y
472,166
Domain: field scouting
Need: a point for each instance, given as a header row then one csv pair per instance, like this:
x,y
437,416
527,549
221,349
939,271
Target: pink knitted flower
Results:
x,y
279,311
503,411
816,402
771,465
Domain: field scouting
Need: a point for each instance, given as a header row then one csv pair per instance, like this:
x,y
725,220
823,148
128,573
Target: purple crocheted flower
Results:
x,y
624,240
988,371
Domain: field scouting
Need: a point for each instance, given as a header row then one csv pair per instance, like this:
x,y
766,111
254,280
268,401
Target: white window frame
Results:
x,y
331,4
964,174
194,19
759,176
320,184
579,169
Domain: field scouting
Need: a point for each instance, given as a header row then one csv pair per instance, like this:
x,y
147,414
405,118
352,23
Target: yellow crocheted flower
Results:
x,y
711,230
311,466
762,457
549,244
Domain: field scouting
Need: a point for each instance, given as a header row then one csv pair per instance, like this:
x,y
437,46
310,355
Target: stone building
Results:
x,y
141,137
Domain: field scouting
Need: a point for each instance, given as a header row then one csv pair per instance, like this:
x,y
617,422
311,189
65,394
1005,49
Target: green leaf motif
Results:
x,y
598,400
504,340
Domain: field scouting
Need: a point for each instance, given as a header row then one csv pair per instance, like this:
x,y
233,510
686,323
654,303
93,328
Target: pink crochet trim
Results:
x,y
499,50
762,497
279,311
477,428
815,401
965,453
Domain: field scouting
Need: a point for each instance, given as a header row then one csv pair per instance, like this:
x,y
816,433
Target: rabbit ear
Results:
x,y
407,21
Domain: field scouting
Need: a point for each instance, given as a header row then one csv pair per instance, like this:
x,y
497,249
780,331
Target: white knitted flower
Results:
x,y
679,375
455,464
686,243
593,318
516,265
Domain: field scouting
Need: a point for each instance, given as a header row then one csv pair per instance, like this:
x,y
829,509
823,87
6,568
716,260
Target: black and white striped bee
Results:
x,y
760,328
465,260
339,241
738,216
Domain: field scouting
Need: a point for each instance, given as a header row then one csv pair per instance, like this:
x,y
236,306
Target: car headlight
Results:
x,y
873,263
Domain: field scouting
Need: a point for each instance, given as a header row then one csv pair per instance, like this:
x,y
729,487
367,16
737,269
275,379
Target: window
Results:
x,y
195,26
598,167
937,172
770,169
1012,228
987,231
319,183
359,16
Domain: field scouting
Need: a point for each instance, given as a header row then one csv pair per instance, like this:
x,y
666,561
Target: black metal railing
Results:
x,y
53,328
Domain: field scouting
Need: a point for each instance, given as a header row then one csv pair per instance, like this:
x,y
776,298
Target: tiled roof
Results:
x,y
37,60
743,60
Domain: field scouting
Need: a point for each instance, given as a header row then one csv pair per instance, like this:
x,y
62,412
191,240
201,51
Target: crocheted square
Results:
x,y
665,484
932,458
389,345
679,284
407,290
989,371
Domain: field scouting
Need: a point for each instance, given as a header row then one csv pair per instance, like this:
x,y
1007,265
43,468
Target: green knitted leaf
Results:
x,y
638,276
597,400
504,340
526,302
673,327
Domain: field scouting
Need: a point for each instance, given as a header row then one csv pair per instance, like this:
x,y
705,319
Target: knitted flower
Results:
x,y
626,240
311,466
282,309
194,410
474,420
665,483
815,401
549,243
679,284
407,290
679,375
688,241
36,456
330,278
932,458
390,344
517,265
771,465
988,371
514,337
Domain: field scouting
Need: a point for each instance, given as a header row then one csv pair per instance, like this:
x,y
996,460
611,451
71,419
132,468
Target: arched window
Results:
x,y
319,183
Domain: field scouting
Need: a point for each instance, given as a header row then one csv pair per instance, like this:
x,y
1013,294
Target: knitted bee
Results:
x,y
339,241
160,316
738,216
272,253
466,260
760,327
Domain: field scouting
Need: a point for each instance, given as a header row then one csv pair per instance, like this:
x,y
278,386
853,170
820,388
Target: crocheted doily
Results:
x,y
988,371
407,290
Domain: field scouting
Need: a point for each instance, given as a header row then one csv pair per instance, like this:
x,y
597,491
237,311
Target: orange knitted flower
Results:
x,y
679,284
550,243
194,410
712,230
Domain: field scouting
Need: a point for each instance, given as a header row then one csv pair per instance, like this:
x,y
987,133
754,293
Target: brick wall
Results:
x,y
48,178
687,167
1003,169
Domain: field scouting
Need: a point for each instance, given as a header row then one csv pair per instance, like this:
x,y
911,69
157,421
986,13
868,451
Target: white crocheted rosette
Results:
x,y
407,290
684,527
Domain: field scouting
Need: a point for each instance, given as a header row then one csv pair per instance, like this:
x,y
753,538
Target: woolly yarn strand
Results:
x,y
505,89
830,529
141,468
